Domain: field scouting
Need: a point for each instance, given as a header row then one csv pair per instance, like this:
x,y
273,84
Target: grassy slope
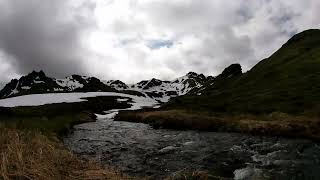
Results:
x,y
288,81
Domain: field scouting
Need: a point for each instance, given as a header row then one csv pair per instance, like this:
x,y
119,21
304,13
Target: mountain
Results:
x,y
164,90
288,81
117,84
38,82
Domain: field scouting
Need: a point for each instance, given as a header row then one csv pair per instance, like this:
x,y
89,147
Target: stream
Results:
x,y
139,150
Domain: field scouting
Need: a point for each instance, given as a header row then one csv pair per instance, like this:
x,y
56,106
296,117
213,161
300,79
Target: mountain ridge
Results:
x,y
162,91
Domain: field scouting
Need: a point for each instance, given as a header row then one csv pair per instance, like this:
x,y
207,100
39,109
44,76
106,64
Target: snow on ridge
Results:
x,y
70,83
53,98
15,91
25,87
38,82
179,85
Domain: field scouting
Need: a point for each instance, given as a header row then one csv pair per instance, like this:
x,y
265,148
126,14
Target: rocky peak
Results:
x,y
34,82
152,83
192,74
117,84
231,71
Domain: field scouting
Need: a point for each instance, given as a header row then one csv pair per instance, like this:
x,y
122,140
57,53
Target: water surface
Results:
x,y
139,150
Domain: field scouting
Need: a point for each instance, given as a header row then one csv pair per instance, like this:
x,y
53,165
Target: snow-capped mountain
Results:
x,y
38,82
164,90
117,84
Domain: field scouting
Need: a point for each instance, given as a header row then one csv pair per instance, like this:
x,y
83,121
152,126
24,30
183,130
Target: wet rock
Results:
x,y
167,149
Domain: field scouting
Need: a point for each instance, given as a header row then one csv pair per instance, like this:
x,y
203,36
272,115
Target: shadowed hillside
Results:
x,y
288,81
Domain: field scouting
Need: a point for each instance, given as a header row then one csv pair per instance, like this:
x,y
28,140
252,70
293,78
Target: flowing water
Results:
x,y
139,150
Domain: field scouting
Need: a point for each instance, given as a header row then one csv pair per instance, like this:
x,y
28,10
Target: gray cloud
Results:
x,y
133,40
42,34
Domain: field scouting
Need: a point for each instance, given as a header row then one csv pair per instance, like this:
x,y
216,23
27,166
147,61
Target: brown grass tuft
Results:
x,y
274,124
31,155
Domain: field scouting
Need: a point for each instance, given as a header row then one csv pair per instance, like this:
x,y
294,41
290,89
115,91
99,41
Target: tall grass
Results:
x,y
31,155
274,124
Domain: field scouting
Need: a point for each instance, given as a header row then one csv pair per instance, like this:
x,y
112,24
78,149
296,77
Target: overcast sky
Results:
x,y
133,40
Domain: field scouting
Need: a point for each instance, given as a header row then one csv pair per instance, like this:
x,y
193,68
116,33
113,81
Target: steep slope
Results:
x,y
288,81
38,82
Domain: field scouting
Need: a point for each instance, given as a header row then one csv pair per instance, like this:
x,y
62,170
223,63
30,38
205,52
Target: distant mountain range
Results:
x,y
162,91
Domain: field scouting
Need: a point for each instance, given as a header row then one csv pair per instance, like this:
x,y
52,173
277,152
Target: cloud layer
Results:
x,y
43,34
132,40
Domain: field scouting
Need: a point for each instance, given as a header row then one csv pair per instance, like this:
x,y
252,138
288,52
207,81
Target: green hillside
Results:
x,y
288,81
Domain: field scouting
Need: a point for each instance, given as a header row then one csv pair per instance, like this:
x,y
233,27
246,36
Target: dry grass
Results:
x,y
196,175
183,175
31,155
275,124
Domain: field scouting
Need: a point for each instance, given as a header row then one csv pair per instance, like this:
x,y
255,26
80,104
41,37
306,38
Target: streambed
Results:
x,y
139,150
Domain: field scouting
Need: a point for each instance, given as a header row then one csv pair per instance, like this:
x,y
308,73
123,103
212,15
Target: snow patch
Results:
x,y
38,82
70,83
25,87
52,98
122,100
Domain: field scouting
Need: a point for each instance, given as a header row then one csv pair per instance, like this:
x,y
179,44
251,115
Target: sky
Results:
x,y
132,40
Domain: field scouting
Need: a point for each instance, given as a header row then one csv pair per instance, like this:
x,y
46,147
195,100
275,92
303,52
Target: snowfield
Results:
x,y
53,98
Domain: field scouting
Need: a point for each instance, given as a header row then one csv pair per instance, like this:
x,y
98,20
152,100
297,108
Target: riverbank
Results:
x,y
31,146
32,155
274,124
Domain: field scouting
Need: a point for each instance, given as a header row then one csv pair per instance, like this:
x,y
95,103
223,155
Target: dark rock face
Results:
x,y
154,82
231,71
142,83
118,84
94,84
33,83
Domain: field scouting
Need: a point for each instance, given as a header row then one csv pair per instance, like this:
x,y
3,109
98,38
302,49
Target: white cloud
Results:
x,y
206,35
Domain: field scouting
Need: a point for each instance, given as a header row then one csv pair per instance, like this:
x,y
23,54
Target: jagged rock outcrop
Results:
x,y
117,84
